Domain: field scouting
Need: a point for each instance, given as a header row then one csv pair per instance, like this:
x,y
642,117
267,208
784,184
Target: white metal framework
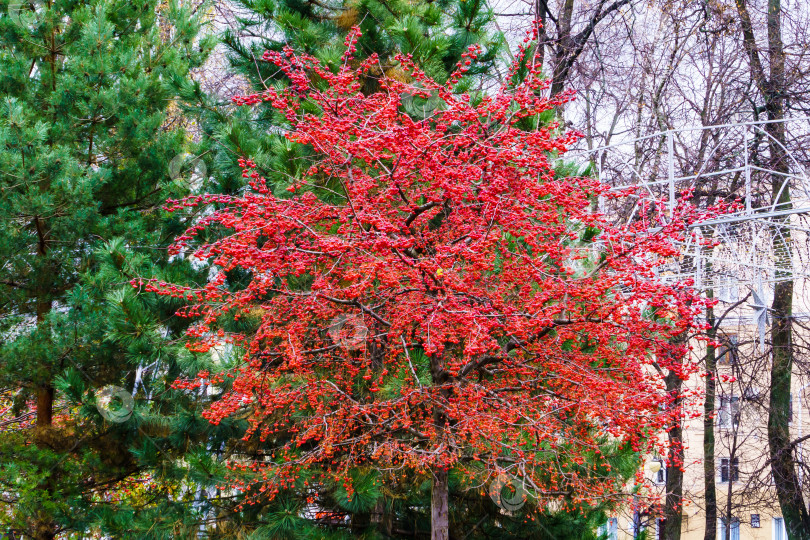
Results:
x,y
759,244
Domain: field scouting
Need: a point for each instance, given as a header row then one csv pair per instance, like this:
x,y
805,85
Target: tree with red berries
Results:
x,y
431,295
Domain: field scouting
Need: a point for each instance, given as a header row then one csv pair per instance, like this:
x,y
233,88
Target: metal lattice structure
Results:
x,y
759,244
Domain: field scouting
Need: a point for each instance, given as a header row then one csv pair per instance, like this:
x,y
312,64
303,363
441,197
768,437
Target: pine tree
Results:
x,y
434,33
85,152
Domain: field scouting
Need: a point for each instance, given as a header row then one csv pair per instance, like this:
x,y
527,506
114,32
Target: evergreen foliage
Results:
x,y
88,129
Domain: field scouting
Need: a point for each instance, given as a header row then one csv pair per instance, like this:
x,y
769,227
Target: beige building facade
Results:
x,y
744,484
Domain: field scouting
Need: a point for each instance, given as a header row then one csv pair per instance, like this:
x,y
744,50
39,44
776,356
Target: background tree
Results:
x,y
84,168
656,66
772,89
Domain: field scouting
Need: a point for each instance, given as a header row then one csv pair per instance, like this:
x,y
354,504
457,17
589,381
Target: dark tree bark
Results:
x,y
673,515
45,527
567,46
439,496
772,88
709,471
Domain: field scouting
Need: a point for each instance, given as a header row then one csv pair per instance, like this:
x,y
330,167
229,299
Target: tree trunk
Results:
x,y
540,10
728,515
772,87
674,486
439,503
788,488
45,396
564,50
709,470
439,497
44,528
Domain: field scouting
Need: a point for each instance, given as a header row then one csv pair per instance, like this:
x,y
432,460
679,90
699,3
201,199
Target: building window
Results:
x,y
755,521
728,416
728,350
659,528
661,475
635,533
735,529
779,532
729,469
610,530
728,290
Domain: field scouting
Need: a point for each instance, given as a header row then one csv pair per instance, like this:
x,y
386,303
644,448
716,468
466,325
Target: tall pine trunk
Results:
x,y
45,527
